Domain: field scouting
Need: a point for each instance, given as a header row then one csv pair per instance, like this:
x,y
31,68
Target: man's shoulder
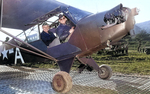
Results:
x,y
42,33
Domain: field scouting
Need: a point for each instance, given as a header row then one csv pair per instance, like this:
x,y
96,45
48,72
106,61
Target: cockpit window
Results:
x,y
77,14
21,36
32,34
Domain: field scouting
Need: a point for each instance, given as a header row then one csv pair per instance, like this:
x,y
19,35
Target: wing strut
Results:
x,y
25,49
52,58
1,1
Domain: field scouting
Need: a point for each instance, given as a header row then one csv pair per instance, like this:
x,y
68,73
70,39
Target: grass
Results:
x,y
42,65
133,63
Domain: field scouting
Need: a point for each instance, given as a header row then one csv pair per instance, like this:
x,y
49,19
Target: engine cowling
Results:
x,y
118,13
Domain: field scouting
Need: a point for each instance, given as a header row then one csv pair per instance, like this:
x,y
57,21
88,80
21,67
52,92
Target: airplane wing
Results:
x,y
17,13
23,14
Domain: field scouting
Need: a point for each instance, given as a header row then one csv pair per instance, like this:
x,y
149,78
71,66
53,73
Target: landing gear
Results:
x,y
62,82
105,72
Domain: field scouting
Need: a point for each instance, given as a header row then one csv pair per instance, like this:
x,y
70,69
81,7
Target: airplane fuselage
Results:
x,y
90,37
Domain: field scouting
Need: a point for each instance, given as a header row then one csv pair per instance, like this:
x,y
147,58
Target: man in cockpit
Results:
x,y
47,36
63,30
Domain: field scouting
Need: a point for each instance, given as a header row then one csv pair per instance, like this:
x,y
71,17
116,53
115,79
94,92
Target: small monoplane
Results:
x,y
92,33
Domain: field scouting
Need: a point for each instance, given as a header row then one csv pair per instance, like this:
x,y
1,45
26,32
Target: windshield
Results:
x,y
77,14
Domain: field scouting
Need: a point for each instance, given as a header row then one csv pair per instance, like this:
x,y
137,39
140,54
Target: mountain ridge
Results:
x,y
143,26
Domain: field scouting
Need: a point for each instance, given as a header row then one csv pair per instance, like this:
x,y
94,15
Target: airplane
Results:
x,y
92,33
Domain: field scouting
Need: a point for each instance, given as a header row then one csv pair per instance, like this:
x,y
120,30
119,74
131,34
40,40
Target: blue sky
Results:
x,y
95,6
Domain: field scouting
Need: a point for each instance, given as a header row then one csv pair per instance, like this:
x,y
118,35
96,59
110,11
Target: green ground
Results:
x,y
133,63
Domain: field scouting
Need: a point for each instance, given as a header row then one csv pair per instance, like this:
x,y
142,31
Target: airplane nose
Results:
x,y
118,13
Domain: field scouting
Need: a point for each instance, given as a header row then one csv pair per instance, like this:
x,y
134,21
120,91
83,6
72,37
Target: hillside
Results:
x,y
144,26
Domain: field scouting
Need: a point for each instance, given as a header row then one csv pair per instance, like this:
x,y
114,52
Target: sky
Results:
x,y
95,6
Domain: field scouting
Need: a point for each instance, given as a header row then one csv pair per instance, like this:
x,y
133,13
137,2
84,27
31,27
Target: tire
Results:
x,y
62,82
107,72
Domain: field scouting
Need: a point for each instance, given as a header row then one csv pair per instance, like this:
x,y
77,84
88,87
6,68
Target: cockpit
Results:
x,y
33,33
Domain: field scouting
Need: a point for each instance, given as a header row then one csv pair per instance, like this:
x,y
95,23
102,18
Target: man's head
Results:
x,y
62,19
45,27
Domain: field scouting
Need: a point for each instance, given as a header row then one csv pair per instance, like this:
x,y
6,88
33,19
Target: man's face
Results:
x,y
63,20
45,28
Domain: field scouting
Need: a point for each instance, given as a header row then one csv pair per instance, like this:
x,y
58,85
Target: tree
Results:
x,y
141,37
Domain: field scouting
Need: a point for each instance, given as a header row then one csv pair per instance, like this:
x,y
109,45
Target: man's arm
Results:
x,y
49,36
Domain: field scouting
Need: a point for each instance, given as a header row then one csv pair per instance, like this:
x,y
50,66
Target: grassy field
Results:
x,y
133,63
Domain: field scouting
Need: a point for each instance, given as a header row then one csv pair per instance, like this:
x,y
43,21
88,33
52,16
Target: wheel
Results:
x,y
62,82
106,72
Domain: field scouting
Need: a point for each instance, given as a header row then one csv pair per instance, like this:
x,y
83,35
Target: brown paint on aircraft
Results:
x,y
90,37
